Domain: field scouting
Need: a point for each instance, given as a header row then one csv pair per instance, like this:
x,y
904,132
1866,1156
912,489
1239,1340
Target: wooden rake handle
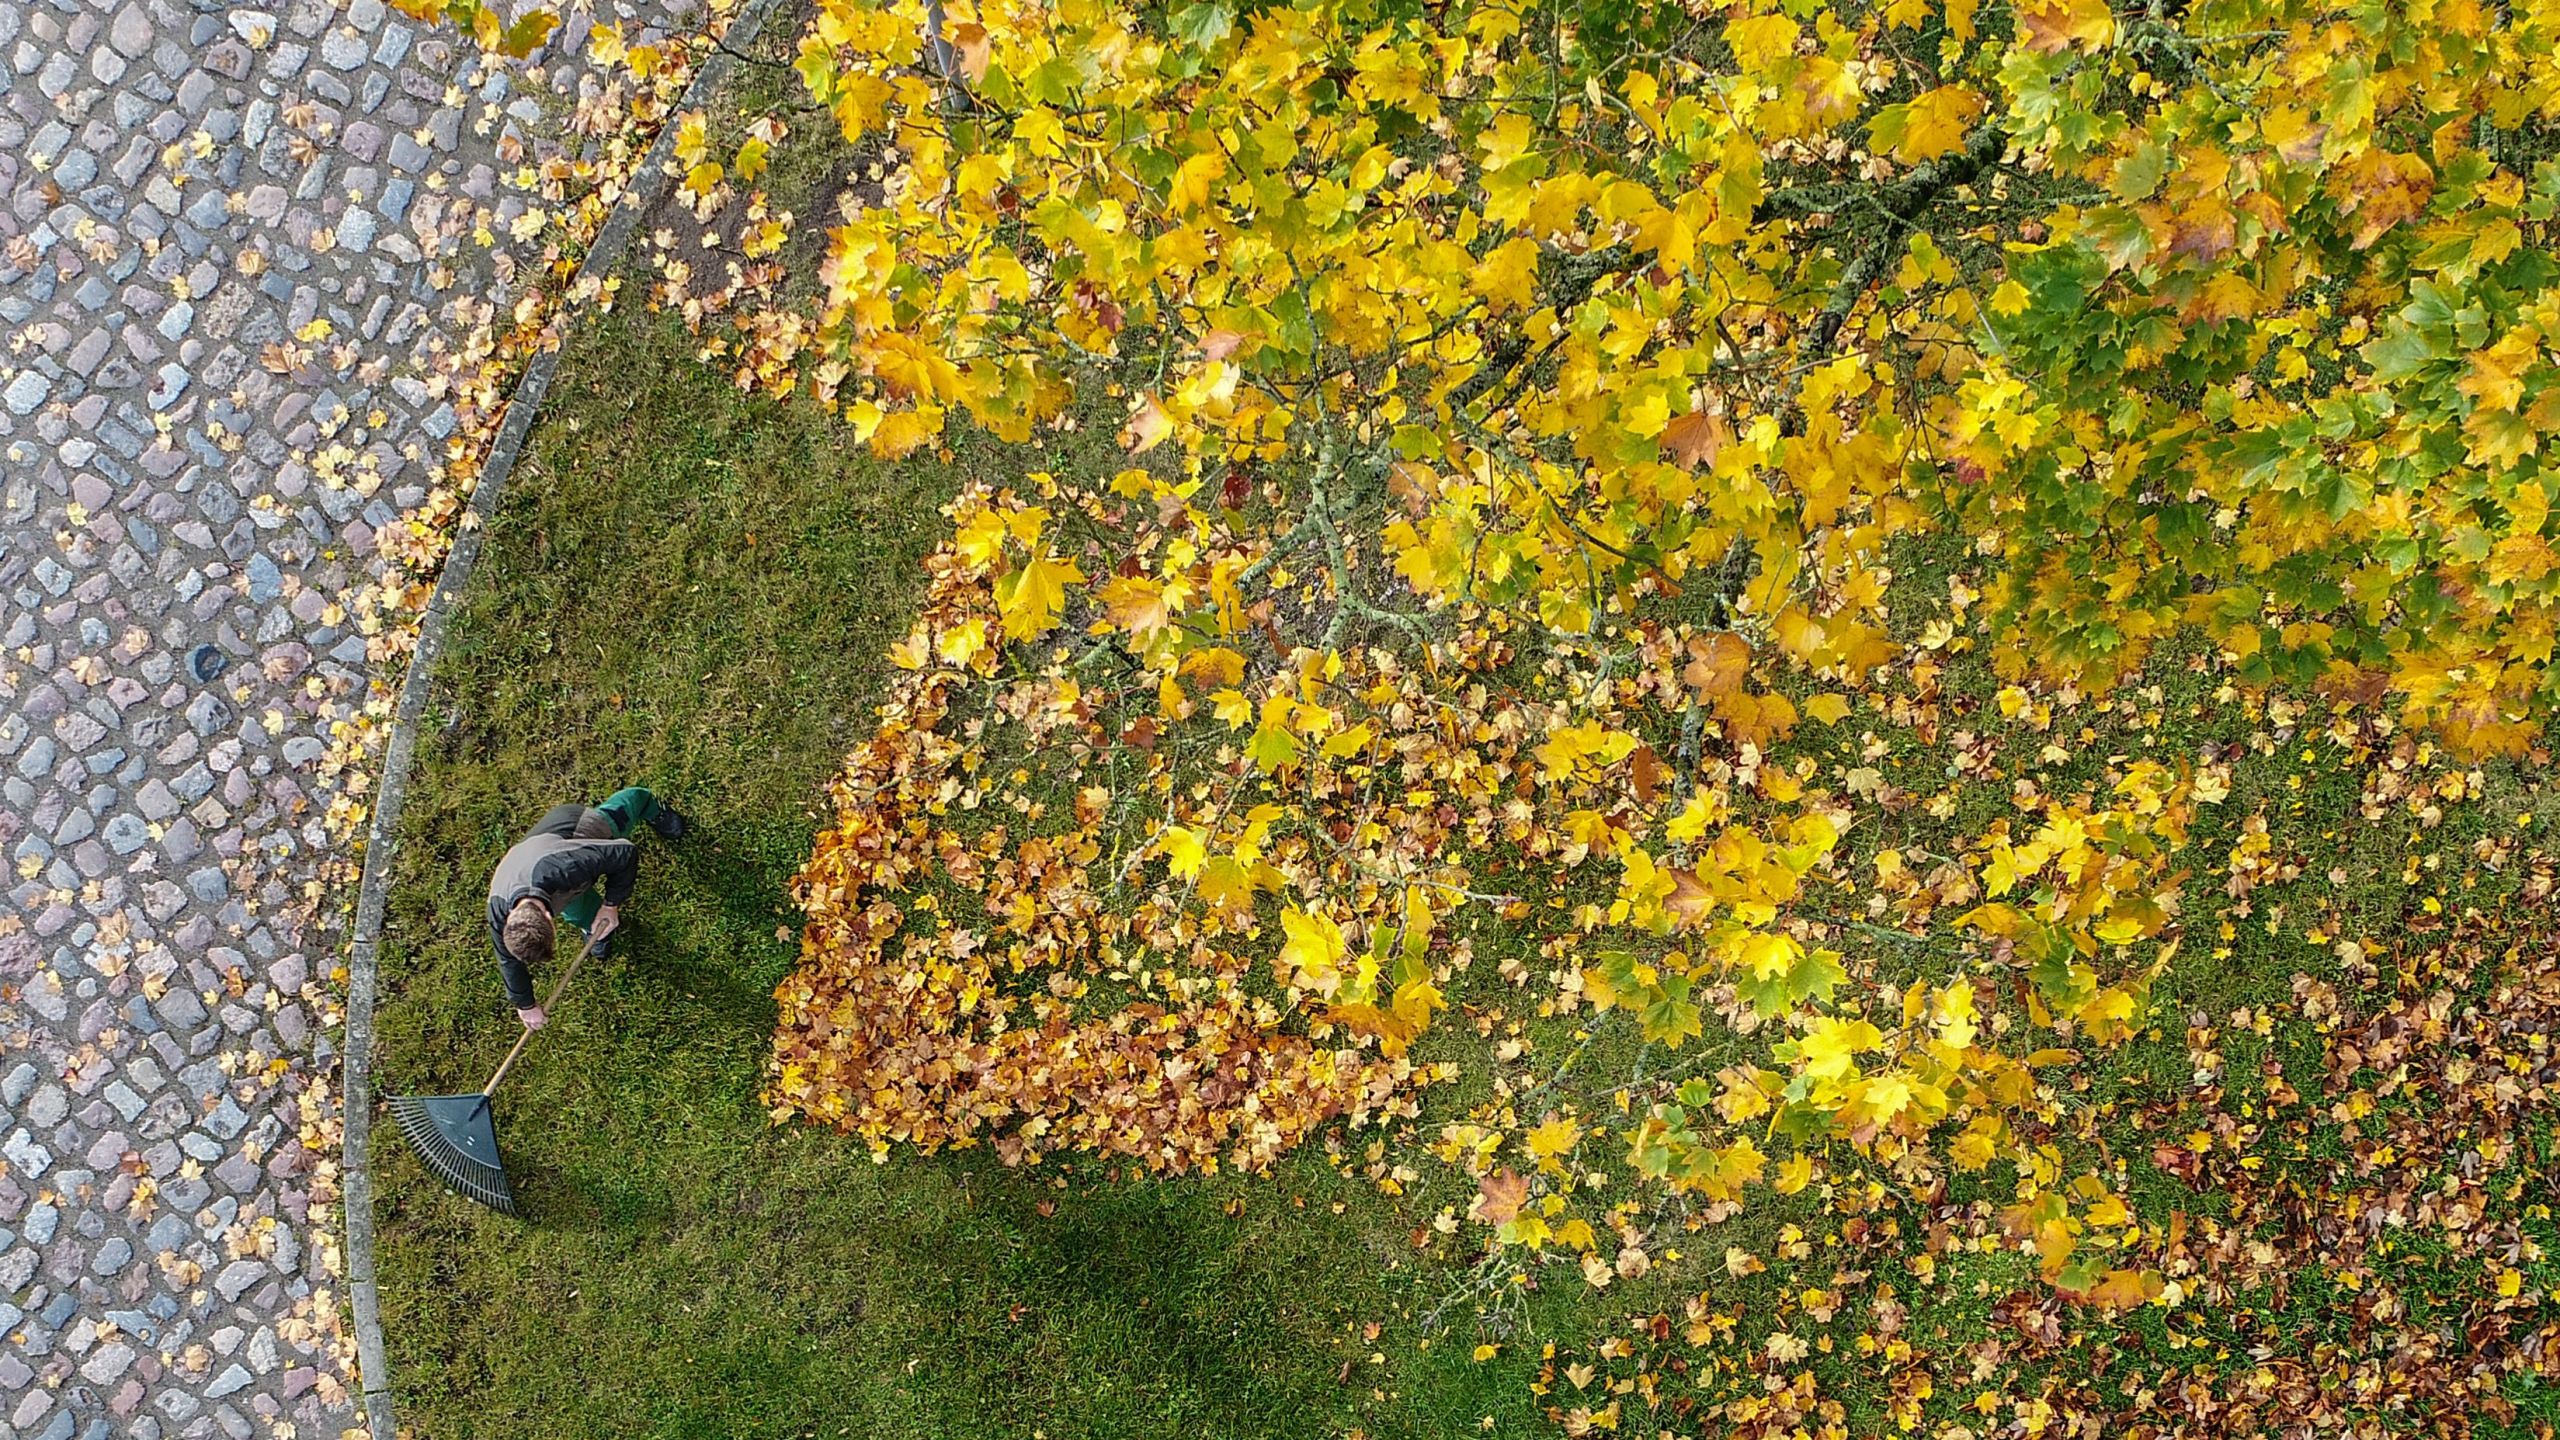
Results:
x,y
556,992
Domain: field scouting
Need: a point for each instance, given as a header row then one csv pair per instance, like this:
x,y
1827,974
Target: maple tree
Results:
x,y
1530,421
1633,347
2231,315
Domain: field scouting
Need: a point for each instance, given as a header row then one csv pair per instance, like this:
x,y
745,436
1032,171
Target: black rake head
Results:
x,y
456,1137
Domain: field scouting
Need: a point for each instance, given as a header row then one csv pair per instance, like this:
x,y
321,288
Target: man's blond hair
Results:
x,y
528,932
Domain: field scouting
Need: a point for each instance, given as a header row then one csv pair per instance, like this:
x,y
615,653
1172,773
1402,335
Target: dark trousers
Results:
x,y
621,813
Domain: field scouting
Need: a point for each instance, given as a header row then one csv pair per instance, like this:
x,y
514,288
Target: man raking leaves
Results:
x,y
576,864
555,872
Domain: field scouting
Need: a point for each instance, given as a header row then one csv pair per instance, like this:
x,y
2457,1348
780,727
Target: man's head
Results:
x,y
528,931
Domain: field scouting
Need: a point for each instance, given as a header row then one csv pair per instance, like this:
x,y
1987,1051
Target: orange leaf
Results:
x,y
2125,1289
2054,25
1695,439
1717,664
1146,428
2381,189
1499,1197
971,41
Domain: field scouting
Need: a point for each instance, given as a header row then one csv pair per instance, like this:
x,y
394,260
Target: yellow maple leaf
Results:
x,y
1829,709
1349,742
1233,706
896,433
2111,1006
1226,883
1184,849
1932,124
2497,372
1794,1175
1956,1014
1505,141
1976,1148
1830,1045
961,643
1556,1137
1705,807
1761,40
909,366
1884,1097
980,538
1192,184
1412,1004
1311,958
1508,274
1031,597
1569,745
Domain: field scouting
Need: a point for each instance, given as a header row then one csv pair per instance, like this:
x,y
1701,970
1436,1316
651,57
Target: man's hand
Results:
x,y
602,930
533,1017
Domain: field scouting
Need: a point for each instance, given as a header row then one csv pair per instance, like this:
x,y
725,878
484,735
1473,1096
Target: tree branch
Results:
x,y
1901,203
1576,277
1799,202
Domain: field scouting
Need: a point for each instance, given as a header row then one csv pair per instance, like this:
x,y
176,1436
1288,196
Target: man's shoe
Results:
x,y
668,823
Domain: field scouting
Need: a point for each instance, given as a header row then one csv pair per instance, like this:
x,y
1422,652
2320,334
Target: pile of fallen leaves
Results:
x,y
964,1024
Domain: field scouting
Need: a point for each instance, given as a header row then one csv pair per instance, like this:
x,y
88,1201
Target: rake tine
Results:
x,y
445,1131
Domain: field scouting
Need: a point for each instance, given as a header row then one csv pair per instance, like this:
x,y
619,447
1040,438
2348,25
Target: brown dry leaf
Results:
x,y
1717,664
1499,1197
1696,438
1646,771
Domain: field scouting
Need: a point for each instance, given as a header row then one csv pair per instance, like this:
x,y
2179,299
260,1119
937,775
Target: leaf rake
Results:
x,y
456,1136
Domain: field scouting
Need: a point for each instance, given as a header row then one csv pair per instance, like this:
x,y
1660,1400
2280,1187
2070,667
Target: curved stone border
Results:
x,y
381,843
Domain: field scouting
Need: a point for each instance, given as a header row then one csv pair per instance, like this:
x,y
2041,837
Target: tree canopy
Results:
x,y
2234,316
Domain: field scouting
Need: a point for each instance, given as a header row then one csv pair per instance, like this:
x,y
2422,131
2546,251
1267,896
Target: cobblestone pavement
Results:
x,y
227,261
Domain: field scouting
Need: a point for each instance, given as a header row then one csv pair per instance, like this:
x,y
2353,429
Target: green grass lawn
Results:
x,y
695,590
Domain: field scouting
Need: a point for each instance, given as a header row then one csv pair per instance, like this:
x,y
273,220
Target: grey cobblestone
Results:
x,y
192,475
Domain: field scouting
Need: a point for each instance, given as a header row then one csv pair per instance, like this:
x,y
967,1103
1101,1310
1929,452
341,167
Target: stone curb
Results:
x,y
382,840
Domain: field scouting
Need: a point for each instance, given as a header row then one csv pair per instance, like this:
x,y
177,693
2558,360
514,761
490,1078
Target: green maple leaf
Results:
x,y
1668,1018
1272,749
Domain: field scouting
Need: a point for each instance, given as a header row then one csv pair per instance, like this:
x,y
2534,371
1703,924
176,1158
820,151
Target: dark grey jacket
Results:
x,y
555,862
